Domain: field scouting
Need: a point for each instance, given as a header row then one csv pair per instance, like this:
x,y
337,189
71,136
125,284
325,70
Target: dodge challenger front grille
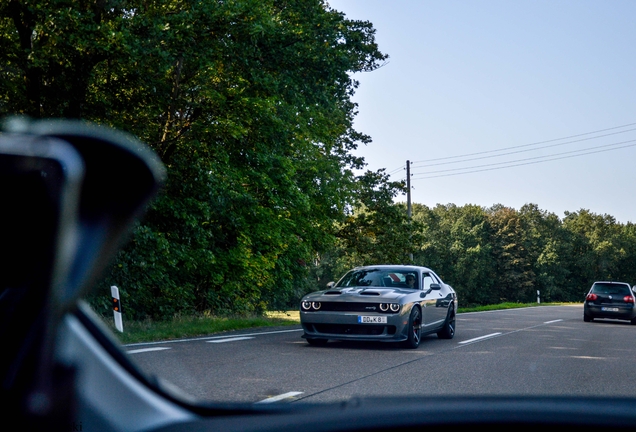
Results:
x,y
352,329
350,307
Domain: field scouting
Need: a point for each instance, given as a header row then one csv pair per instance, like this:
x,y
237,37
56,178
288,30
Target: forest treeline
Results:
x,y
502,254
248,104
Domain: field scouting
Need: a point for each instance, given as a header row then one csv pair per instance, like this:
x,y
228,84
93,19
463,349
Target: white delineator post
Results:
x,y
538,297
119,324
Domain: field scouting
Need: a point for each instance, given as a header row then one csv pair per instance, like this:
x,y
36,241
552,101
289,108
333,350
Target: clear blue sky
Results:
x,y
477,76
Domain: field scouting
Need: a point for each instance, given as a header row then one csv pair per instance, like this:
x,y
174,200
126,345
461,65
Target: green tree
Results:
x,y
456,244
549,251
598,248
376,230
248,103
515,279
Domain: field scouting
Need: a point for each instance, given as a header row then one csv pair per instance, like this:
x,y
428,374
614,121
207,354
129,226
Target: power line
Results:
x,y
421,163
524,145
525,163
532,158
395,171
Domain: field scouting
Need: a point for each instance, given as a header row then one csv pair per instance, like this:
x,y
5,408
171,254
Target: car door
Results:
x,y
432,313
446,295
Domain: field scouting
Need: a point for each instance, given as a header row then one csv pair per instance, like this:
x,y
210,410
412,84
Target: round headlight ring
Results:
x,y
305,305
316,305
384,307
394,307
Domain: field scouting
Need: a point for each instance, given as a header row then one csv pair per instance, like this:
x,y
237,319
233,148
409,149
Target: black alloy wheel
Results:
x,y
415,328
587,318
448,331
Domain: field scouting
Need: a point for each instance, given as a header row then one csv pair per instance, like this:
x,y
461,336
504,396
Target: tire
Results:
x,y
415,329
448,331
588,318
317,342
632,321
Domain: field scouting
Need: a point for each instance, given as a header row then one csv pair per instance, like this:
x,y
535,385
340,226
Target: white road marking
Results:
x,y
510,310
230,339
148,350
514,331
280,397
479,338
211,337
590,358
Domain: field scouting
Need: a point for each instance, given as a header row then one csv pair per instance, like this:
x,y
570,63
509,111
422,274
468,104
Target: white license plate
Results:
x,y
609,309
371,319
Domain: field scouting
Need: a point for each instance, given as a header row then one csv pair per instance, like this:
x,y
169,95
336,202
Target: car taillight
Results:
x,y
591,297
628,299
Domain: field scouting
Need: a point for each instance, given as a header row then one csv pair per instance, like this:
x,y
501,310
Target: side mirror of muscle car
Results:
x,y
431,287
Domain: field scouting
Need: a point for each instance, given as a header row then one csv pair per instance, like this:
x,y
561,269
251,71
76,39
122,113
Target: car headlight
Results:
x,y
394,307
316,305
305,305
384,307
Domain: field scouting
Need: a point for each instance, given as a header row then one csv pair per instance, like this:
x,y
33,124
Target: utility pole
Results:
x,y
408,199
408,189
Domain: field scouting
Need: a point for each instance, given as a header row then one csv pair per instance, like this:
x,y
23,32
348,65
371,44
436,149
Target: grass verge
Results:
x,y
192,326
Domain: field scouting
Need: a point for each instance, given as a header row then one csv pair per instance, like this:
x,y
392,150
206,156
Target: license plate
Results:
x,y
609,309
371,319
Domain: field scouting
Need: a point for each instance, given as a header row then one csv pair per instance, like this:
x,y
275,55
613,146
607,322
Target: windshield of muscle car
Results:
x,y
388,278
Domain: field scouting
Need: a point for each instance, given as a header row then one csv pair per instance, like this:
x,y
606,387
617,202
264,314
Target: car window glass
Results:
x,y
436,279
616,289
361,278
409,280
427,280
388,278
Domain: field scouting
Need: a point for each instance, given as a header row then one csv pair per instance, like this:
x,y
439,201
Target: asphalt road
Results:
x,y
537,351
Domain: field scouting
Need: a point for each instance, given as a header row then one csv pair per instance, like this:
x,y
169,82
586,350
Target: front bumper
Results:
x,y
345,326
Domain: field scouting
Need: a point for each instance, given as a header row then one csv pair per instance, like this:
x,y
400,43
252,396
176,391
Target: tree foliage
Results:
x,y
377,230
247,102
501,254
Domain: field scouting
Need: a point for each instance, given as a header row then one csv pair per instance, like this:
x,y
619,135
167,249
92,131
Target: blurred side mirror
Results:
x,y
69,193
120,175
330,285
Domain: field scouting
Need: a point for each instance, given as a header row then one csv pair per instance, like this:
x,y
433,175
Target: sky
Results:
x,y
466,77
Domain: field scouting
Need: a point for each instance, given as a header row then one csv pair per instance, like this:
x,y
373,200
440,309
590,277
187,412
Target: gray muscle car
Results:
x,y
389,303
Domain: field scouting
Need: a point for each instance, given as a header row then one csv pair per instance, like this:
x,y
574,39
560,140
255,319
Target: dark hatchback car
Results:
x,y
613,300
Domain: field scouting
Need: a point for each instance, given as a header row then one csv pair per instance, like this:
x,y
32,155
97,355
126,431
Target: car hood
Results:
x,y
362,294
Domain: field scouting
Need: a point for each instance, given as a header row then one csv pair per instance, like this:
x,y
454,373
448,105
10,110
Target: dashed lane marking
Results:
x,y
137,351
206,338
280,397
479,338
234,339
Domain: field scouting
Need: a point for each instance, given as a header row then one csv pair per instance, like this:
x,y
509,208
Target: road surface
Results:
x,y
536,351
